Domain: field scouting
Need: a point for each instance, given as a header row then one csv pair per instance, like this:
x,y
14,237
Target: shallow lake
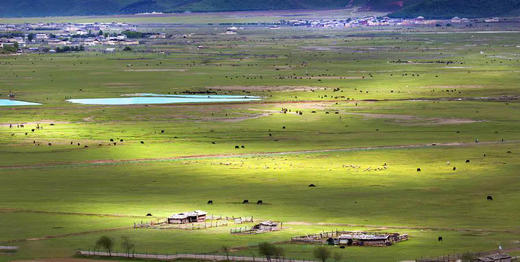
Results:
x,y
9,102
143,99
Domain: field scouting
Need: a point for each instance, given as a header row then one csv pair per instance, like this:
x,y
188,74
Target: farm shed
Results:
x,y
495,258
187,217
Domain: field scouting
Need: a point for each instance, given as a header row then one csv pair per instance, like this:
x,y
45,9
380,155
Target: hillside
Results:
x,y
20,8
462,8
401,8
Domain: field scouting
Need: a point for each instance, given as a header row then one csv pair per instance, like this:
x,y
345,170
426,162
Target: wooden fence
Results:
x,y
185,256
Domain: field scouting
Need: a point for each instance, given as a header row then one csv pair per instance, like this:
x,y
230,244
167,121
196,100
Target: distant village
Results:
x,y
60,37
382,21
110,37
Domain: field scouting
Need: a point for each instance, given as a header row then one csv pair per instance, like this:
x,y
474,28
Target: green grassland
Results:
x,y
367,123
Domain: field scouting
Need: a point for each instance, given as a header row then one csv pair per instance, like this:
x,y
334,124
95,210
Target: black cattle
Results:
x,y
162,131
210,202
242,146
111,140
245,201
283,127
439,238
259,202
121,140
312,185
142,142
237,147
418,170
149,215
454,168
489,197
467,160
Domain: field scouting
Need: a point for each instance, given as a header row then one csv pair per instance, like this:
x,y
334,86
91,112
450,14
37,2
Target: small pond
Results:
x,y
145,99
9,102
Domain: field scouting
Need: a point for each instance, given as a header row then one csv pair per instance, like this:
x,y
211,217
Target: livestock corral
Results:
x,y
352,238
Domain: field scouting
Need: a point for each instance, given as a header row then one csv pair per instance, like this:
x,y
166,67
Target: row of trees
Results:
x,y
266,249
13,48
107,243
70,49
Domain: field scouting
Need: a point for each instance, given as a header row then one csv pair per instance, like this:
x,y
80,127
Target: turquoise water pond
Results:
x,y
146,99
9,102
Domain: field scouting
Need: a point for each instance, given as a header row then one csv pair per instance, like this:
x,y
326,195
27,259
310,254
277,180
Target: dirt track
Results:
x,y
263,154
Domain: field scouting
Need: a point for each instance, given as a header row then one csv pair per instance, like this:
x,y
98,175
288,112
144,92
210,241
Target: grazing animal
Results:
x,y
259,202
312,185
467,160
149,215
162,131
120,140
439,238
111,140
242,146
237,147
245,201
489,197
210,202
418,170
142,142
454,168
213,142
283,127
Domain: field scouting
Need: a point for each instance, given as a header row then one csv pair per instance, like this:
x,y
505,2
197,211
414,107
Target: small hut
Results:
x,y
266,226
187,217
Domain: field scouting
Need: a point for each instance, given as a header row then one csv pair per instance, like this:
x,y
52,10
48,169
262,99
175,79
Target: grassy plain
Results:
x,y
356,100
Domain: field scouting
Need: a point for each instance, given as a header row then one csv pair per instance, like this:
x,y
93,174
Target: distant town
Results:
x,y
111,37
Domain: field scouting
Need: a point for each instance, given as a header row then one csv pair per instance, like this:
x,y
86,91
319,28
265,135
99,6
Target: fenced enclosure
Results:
x,y
210,222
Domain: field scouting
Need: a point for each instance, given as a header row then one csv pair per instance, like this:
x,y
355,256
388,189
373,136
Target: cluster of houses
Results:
x,y
378,21
49,36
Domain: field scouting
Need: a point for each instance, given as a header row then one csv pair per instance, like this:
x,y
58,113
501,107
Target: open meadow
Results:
x,y
401,130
